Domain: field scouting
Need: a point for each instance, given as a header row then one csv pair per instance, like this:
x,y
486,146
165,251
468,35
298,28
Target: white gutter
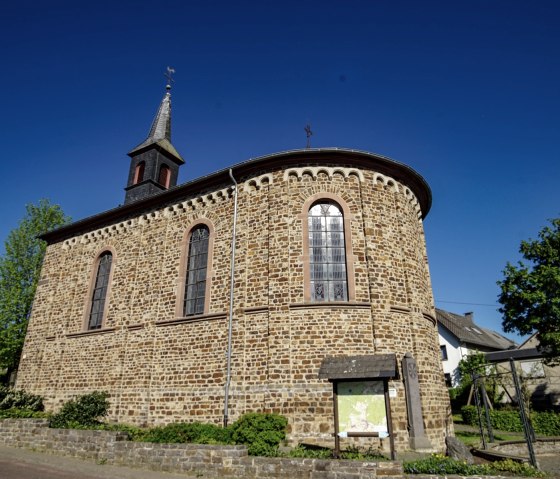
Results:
x,y
231,285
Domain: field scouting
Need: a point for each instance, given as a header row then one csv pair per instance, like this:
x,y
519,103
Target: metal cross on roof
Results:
x,y
169,76
308,133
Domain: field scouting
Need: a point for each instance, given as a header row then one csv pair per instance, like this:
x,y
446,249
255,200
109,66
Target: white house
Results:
x,y
459,336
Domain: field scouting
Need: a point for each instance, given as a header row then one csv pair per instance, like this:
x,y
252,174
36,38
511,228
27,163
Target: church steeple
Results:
x,y
154,163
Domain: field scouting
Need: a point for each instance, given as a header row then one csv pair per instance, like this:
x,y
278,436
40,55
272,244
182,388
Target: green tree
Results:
x,y
20,267
530,295
474,363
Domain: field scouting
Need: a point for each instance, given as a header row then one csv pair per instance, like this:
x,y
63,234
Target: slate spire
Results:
x,y
154,163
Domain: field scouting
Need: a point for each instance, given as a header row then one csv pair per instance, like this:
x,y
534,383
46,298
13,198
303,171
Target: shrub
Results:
x,y
82,412
194,432
17,413
517,468
442,465
544,423
311,452
135,433
547,423
260,432
13,398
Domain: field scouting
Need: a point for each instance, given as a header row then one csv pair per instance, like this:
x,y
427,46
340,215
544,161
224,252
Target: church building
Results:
x,y
282,284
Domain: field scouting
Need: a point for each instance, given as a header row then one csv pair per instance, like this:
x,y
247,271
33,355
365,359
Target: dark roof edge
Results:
x,y
383,164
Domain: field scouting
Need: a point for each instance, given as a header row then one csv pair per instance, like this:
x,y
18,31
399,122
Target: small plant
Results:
x,y
359,454
135,433
82,412
17,413
260,432
194,432
442,465
311,452
517,468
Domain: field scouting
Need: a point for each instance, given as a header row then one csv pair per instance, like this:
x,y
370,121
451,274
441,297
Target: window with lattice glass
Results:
x,y
99,295
197,263
327,254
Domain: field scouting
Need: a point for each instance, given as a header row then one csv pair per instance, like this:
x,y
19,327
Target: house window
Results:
x,y
532,369
164,175
139,172
99,295
197,265
327,254
448,381
443,349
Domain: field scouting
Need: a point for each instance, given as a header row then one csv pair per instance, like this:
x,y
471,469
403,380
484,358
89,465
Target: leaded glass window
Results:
x,y
327,254
197,263
100,291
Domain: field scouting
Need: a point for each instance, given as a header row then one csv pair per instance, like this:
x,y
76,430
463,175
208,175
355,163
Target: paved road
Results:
x,y
18,463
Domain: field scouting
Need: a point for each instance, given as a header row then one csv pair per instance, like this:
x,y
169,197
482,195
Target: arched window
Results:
x,y
327,253
99,294
139,172
197,265
164,176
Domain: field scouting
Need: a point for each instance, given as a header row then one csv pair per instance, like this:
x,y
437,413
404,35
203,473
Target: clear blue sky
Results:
x,y
467,93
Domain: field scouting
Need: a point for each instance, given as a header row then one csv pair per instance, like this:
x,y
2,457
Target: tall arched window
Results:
x,y
100,287
139,172
164,175
197,265
327,254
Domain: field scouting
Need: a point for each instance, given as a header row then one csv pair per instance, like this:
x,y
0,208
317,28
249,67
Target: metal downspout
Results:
x,y
231,287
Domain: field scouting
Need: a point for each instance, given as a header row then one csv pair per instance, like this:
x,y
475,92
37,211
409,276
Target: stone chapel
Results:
x,y
261,287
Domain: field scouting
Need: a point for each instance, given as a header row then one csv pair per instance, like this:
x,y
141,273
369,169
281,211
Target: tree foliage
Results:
x,y
530,291
474,363
20,268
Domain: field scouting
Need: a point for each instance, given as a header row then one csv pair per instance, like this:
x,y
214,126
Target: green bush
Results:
x,y
311,452
17,413
19,399
82,412
260,432
135,433
442,465
544,423
194,432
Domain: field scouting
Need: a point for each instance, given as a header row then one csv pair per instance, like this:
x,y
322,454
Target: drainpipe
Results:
x,y
231,285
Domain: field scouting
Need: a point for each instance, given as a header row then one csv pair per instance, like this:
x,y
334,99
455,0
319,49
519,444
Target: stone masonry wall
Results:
x,y
191,460
160,367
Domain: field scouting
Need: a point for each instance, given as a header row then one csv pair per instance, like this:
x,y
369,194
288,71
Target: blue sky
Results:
x,y
467,93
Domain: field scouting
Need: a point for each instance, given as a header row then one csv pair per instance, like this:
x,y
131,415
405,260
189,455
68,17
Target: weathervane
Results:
x,y
169,76
308,133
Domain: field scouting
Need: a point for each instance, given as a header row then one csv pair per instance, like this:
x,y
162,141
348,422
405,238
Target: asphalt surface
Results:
x,y
18,463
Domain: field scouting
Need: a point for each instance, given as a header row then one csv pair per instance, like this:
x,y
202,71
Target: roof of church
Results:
x,y
465,329
160,132
254,166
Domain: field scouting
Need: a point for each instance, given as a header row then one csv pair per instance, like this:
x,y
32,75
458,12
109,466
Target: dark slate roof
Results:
x,y
220,179
465,329
160,132
359,367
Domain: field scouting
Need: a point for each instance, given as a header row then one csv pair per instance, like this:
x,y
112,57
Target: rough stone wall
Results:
x,y
190,460
159,367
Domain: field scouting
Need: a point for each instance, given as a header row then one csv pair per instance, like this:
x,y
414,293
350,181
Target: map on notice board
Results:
x,y
361,407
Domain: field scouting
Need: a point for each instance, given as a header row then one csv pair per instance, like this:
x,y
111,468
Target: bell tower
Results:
x,y
154,163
